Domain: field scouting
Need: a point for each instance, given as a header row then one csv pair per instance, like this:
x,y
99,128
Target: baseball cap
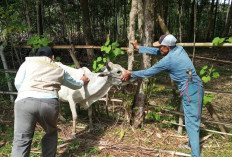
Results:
x,y
45,51
166,40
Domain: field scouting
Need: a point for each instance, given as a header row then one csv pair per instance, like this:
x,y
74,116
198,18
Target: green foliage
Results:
x,y
57,59
229,40
11,21
153,116
111,52
36,41
92,151
75,145
208,98
207,74
218,41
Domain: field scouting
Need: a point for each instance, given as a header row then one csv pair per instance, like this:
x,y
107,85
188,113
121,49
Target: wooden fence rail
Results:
x,y
126,48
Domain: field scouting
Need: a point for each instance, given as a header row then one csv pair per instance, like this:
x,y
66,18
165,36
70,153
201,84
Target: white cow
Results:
x,y
98,86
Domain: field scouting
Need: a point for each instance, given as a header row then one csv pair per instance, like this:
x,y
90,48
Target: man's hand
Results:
x,y
126,75
85,79
135,44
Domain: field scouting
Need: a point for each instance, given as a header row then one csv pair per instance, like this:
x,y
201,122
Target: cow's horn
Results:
x,y
108,66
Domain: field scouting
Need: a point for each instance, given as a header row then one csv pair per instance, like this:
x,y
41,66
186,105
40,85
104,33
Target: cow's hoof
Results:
x,y
74,136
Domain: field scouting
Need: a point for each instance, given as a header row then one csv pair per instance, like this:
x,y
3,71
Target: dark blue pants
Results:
x,y
192,104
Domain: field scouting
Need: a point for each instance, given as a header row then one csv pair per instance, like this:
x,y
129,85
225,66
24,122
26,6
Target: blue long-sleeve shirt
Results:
x,y
68,81
176,62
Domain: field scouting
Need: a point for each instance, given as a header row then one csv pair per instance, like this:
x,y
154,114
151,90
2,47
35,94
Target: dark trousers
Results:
x,y
27,112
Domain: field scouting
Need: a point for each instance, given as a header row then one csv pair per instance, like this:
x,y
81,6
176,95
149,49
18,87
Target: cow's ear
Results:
x,y
103,68
103,74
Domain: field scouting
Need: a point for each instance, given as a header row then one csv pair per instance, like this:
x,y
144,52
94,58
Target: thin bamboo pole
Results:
x,y
126,48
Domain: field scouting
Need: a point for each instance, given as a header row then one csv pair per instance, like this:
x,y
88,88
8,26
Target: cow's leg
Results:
x,y
72,105
90,114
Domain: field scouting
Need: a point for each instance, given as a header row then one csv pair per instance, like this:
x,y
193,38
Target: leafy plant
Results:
x,y
207,74
153,115
75,145
217,41
92,151
111,52
36,41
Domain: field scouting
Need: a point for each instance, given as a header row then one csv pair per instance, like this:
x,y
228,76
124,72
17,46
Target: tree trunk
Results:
x,y
131,33
162,24
147,39
228,20
39,18
87,28
11,89
215,17
180,17
26,7
72,51
130,51
191,25
210,15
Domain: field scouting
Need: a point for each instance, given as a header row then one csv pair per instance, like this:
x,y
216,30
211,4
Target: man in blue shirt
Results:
x,y
177,63
38,81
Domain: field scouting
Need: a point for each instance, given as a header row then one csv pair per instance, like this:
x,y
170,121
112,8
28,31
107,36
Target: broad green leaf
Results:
x,y
216,41
99,59
206,79
103,48
104,60
157,117
94,64
215,75
202,72
107,50
208,98
115,44
205,67
107,42
100,66
229,40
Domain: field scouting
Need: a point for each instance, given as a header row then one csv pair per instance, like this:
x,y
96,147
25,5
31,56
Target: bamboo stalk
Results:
x,y
8,70
6,92
126,48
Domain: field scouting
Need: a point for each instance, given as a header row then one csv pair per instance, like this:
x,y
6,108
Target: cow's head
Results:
x,y
114,73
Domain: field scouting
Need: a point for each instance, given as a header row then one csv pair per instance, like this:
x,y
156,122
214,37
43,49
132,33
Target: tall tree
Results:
x,y
72,51
39,17
210,15
26,8
87,28
147,38
215,17
191,19
228,21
